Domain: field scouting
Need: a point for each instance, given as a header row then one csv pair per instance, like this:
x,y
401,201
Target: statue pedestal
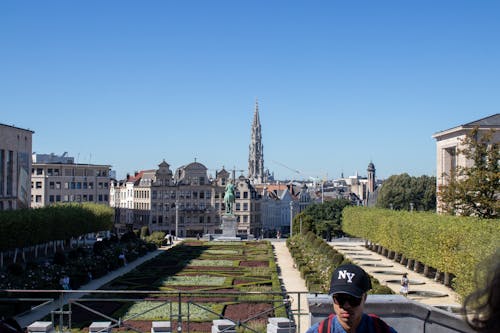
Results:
x,y
229,228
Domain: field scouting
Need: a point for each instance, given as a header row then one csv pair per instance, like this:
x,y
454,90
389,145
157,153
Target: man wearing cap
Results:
x,y
348,287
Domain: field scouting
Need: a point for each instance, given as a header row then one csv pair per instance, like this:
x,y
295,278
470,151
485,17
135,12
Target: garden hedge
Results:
x,y
451,244
28,227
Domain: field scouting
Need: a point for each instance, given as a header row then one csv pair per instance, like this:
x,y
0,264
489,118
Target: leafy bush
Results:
x,y
451,244
59,258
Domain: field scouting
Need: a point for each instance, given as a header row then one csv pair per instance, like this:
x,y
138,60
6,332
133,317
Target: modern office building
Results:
x,y
15,166
58,179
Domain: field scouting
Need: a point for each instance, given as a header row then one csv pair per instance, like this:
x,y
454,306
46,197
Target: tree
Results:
x,y
323,219
473,190
402,191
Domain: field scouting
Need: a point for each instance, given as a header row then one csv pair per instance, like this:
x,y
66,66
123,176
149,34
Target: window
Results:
x,y
91,197
245,206
238,206
49,172
58,185
58,198
245,195
38,184
52,185
91,185
39,171
38,198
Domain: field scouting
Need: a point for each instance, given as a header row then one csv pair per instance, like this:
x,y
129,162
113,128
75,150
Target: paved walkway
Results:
x,y
42,311
420,287
292,282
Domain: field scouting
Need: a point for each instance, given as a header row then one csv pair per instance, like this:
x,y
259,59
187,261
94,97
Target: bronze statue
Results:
x,y
229,198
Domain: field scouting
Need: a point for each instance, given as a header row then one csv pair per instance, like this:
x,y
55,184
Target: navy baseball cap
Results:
x,y
350,279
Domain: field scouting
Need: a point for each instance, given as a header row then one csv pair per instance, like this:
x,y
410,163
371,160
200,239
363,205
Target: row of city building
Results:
x,y
189,201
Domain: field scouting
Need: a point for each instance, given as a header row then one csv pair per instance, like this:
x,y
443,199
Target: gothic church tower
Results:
x,y
256,154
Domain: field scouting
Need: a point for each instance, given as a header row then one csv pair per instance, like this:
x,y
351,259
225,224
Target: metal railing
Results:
x,y
183,309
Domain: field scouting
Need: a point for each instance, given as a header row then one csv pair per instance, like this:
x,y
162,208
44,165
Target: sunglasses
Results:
x,y
340,300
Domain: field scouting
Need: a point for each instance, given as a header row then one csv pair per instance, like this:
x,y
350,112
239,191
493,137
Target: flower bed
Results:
x,y
196,268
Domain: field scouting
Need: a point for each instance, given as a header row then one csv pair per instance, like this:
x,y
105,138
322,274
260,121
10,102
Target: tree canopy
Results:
x,y
323,219
401,191
473,190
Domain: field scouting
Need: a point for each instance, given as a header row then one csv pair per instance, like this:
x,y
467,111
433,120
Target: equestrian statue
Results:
x,y
229,198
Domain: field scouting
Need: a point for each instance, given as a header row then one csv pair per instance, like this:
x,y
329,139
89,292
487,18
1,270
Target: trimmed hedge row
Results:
x,y
316,261
28,227
450,244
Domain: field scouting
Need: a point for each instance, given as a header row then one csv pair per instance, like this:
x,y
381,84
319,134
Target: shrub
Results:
x,y
15,269
59,258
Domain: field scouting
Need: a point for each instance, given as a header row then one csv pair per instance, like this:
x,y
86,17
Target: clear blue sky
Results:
x,y
339,83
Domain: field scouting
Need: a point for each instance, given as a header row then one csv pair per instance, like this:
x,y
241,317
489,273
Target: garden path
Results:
x,y
355,250
42,311
292,283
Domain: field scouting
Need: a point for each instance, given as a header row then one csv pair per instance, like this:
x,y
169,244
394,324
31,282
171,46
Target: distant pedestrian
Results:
x,y
123,258
404,285
170,240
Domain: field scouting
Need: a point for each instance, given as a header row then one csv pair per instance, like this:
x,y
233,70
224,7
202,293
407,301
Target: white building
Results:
x,y
449,141
58,179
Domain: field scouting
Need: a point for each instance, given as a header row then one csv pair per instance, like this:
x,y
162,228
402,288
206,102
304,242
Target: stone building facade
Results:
x,y
15,166
185,203
449,141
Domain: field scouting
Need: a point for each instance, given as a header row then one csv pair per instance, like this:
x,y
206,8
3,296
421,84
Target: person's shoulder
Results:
x,y
313,329
376,321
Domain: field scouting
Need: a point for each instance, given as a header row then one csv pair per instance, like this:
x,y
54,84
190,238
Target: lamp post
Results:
x,y
291,219
176,219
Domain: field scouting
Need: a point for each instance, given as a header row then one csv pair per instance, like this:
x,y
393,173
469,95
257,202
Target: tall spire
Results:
x,y
256,150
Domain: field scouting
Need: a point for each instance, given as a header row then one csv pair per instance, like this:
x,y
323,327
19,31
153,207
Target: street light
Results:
x,y
176,219
291,219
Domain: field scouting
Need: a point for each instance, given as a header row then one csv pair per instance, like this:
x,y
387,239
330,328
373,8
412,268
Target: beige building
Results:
x,y
58,179
185,203
449,141
15,166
